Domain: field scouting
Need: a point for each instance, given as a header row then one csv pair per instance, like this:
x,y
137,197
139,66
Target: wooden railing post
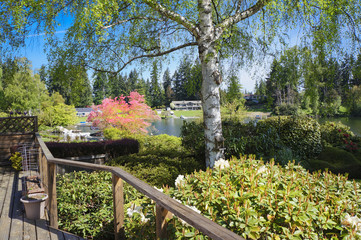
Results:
x,y
53,205
118,207
162,215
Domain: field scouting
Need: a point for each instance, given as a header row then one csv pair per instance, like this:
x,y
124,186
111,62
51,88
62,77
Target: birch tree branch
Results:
x,y
173,16
241,15
158,54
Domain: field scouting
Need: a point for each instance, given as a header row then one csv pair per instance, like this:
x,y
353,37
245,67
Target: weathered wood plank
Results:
x,y
16,228
5,219
29,229
162,215
118,207
55,234
5,175
42,230
69,236
53,206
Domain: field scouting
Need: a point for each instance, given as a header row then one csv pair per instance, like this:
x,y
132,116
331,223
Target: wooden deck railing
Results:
x,y
165,205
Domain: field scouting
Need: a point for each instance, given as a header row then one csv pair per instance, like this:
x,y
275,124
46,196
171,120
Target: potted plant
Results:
x,y
34,205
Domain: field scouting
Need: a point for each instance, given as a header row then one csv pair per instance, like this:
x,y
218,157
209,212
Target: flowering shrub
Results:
x,y
251,198
129,113
339,135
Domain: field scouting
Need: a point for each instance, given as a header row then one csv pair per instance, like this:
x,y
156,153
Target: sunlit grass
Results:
x,y
188,113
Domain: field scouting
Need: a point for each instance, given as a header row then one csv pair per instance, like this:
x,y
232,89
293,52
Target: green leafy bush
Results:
x,y
339,135
301,134
266,138
16,161
157,170
160,160
58,115
266,201
337,160
192,134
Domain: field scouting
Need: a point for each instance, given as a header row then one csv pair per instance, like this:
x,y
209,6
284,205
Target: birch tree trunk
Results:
x,y
210,85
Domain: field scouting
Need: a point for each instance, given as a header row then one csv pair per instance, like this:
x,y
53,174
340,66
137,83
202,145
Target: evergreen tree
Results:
x,y
100,87
356,71
167,86
155,92
180,79
234,90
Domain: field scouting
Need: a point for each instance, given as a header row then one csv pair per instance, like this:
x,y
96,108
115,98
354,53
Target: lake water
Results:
x,y
170,126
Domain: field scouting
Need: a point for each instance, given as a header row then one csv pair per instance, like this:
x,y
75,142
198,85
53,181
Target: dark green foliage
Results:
x,y
121,147
192,134
337,161
266,138
286,109
160,160
301,134
85,204
112,148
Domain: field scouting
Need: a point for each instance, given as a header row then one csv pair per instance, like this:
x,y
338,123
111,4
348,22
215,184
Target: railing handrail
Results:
x,y
198,221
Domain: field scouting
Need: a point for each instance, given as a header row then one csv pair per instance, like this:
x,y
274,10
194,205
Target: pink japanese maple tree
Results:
x,y
129,113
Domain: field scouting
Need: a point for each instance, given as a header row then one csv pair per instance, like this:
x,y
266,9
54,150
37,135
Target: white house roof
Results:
x,y
86,110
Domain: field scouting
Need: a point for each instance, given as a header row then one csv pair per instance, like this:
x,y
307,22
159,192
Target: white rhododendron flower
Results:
x,y
159,189
177,200
221,164
134,209
180,181
137,209
353,222
262,169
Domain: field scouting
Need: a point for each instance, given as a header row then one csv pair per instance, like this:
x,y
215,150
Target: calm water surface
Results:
x,y
170,126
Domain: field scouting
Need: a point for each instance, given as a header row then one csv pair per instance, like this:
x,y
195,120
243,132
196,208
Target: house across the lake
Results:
x,y
187,105
83,112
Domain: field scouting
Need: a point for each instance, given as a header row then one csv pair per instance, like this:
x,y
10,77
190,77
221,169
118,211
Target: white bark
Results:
x,y
210,85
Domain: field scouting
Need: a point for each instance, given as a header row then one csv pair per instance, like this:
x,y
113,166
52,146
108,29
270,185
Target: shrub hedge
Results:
x,y
160,160
266,138
112,148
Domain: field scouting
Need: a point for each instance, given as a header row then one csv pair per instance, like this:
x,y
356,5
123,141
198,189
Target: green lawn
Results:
x,y
81,119
188,113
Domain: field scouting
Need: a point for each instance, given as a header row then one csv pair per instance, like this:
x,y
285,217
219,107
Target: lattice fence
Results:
x,y
18,125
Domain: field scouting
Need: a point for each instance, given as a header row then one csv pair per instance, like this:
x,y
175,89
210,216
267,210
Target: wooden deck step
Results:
x,y
13,223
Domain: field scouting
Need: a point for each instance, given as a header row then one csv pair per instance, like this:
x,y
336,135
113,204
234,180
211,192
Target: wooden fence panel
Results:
x,y
18,125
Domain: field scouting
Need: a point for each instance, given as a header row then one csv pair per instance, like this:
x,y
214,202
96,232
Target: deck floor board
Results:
x,y
13,223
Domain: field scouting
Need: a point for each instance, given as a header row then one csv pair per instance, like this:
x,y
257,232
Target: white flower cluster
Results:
x,y
353,222
180,181
137,209
262,169
221,164
159,189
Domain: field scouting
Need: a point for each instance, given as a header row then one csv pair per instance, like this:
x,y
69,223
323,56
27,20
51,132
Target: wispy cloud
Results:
x,y
42,34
